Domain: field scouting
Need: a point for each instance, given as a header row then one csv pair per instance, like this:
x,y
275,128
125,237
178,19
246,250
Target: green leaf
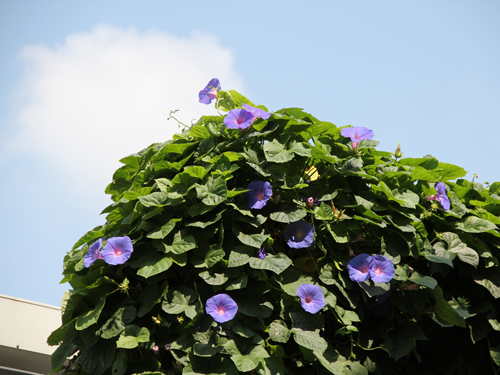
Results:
x,y
183,300
323,212
154,265
276,152
132,337
181,243
116,324
439,254
213,192
310,340
253,240
90,317
495,354
119,366
445,311
213,278
427,281
245,363
276,263
153,199
279,332
97,358
164,230
474,224
252,307
331,360
398,344
288,215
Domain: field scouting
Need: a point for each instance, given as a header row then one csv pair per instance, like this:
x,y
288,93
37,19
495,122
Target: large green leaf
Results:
x,y
288,215
154,265
276,263
276,152
90,317
473,224
310,340
213,192
445,311
132,337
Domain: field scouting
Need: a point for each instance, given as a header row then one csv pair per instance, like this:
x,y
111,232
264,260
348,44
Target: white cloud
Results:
x,y
105,94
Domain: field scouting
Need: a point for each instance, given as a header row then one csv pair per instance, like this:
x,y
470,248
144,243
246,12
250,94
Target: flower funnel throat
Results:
x,y
221,307
259,194
117,250
311,297
299,234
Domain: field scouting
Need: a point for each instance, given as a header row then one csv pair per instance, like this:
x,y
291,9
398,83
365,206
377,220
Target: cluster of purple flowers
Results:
x,y
441,195
376,267
117,250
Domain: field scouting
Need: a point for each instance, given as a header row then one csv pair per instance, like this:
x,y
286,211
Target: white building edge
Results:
x,y
24,328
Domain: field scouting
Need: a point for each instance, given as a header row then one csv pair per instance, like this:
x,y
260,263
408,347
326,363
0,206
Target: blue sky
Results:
x,y
83,84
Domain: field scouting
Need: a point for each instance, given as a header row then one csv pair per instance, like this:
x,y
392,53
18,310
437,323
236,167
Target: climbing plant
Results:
x,y
271,242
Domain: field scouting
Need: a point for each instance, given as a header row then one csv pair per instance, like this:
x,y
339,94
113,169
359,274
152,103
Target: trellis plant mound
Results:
x,y
275,243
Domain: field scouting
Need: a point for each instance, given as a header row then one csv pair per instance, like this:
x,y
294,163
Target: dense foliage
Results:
x,y
250,244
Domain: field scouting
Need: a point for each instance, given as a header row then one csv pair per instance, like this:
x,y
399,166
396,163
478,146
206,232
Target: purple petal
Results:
x,y
92,254
262,253
299,234
359,268
259,194
257,112
210,91
117,250
357,133
442,197
381,269
221,307
238,119
311,297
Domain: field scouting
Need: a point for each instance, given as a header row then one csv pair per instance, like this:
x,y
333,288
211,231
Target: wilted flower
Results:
x,y
117,250
156,349
357,134
167,347
381,269
93,253
441,196
257,112
310,201
299,234
311,298
262,253
221,307
358,268
259,194
210,91
238,119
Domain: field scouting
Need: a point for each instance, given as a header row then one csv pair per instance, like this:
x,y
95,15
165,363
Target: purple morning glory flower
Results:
x,y
93,253
210,91
299,234
262,253
257,112
238,119
221,307
359,268
357,134
381,269
311,298
117,250
259,194
441,196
